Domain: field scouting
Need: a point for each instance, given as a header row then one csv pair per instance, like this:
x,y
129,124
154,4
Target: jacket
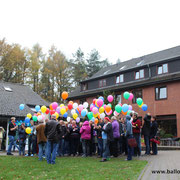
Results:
x,y
52,131
22,134
121,129
74,132
147,125
115,127
40,133
154,129
98,131
137,124
128,126
108,130
85,131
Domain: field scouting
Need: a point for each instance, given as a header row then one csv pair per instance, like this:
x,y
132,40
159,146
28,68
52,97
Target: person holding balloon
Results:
x,y
22,139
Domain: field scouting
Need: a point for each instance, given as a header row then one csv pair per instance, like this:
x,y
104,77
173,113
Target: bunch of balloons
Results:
x,y
141,104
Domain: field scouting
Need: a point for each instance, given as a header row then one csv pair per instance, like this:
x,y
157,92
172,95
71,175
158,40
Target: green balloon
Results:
x,y
139,101
128,113
126,95
118,108
110,105
34,118
90,115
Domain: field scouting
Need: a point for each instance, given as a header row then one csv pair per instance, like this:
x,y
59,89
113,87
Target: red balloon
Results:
x,y
70,106
52,112
94,101
47,111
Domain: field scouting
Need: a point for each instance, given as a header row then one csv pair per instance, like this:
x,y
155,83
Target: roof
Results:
x,y
20,94
138,62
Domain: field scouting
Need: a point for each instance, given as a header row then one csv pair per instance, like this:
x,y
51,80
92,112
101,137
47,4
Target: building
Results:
x,y
154,77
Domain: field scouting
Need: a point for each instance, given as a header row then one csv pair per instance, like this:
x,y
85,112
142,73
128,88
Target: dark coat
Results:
x,y
74,132
109,131
21,134
154,129
99,132
147,125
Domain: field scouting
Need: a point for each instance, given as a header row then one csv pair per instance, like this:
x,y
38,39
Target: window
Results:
x,y
102,83
118,98
120,79
84,87
161,93
139,74
163,69
137,94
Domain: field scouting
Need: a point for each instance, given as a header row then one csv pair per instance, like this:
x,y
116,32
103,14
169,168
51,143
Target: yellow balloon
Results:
x,y
57,115
61,105
101,110
28,130
43,109
29,115
75,115
141,105
95,115
63,111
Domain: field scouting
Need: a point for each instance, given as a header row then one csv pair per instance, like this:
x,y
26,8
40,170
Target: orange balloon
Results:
x,y
50,107
70,102
99,116
66,108
96,121
64,95
108,109
124,113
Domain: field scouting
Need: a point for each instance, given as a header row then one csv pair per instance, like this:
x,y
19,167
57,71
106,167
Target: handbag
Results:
x,y
132,142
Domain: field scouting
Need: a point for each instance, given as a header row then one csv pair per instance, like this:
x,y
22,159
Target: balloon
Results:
x,y
75,115
126,95
116,113
66,108
43,109
94,101
125,108
34,118
96,121
65,115
83,113
141,105
37,108
70,106
130,97
129,111
91,107
38,114
95,115
118,108
28,130
81,107
85,104
29,115
77,119
130,107
52,112
73,111
57,115
64,95
61,105
139,101
108,109
58,109
110,105
93,118
102,116
75,105
40,118
101,110
95,110
47,111
50,107
144,107
101,98
109,113
110,98
21,106
54,105
124,113
90,115
100,102
68,119
70,102
63,111
27,120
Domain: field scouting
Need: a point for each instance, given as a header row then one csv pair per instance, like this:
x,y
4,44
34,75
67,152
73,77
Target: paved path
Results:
x,y
165,160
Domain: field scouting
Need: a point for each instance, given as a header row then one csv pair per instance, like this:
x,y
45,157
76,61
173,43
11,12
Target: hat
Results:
x,y
106,118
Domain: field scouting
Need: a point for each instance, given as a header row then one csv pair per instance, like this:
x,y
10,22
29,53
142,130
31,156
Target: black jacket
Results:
x,y
52,131
147,125
74,132
22,134
109,132
99,132
63,131
121,129
154,129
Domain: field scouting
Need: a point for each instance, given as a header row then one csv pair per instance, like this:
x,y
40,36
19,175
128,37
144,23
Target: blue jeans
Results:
x,y
11,143
66,147
86,147
51,152
22,143
137,149
147,143
15,145
154,148
42,148
100,146
129,149
106,152
31,145
60,148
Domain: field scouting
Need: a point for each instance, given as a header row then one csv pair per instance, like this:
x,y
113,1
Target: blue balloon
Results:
x,y
93,118
65,115
21,106
27,120
37,108
144,107
83,113
125,108
101,98
77,111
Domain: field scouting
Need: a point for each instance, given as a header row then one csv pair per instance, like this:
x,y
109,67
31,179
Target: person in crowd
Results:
x,y
41,139
146,128
136,124
116,136
32,140
1,136
99,137
67,140
22,139
74,138
52,131
92,141
16,142
12,132
153,134
128,134
131,114
85,132
107,136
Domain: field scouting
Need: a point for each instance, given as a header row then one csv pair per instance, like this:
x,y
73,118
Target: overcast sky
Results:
x,y
122,29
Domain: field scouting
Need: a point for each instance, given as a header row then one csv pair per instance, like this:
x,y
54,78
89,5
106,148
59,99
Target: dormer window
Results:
x,y
163,69
84,86
120,79
102,83
139,74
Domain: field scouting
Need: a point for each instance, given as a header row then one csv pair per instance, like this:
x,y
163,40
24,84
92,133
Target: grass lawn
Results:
x,y
69,168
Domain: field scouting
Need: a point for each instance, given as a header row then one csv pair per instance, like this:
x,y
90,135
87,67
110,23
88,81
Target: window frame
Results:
x,y
134,93
139,74
158,66
158,98
119,79
103,83
84,85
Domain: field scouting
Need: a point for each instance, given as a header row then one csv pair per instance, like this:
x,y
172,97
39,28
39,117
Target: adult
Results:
x,y
129,135
12,132
153,134
136,124
41,139
22,139
1,136
52,131
92,140
116,136
107,136
146,123
85,132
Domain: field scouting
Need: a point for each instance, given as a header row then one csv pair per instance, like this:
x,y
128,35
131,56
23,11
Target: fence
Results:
x,y
169,142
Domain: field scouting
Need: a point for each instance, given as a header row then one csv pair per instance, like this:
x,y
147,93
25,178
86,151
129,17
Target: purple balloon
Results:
x,y
58,109
77,119
130,107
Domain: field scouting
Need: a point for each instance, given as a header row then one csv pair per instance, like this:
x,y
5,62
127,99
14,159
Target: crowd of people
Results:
x,y
108,138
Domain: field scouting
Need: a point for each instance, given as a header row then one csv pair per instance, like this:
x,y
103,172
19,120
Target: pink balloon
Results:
x,y
130,107
81,107
95,110
109,113
116,113
54,105
130,97
43,117
100,102
110,98
91,107
105,106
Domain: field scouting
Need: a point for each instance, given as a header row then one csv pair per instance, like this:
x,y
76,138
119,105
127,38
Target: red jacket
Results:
x,y
137,124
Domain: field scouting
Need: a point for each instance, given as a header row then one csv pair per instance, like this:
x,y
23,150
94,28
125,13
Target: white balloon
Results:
x,y
102,115
40,118
75,105
85,104
68,119
86,111
73,111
